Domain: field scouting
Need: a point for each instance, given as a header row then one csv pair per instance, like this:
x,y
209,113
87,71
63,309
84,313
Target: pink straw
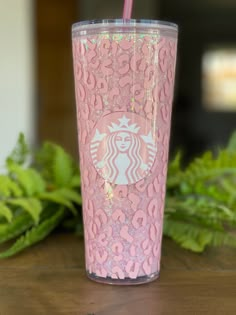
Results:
x,y
127,11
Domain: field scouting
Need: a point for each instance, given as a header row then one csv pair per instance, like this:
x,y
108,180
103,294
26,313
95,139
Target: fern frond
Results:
x,y
5,212
71,195
231,147
29,179
215,217
20,153
174,172
56,165
195,237
9,188
75,181
207,167
31,205
34,235
58,197
16,227
62,167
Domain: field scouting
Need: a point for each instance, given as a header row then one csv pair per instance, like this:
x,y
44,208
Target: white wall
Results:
x,y
16,73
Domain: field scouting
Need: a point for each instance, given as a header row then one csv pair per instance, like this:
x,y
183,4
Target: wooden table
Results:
x,y
50,279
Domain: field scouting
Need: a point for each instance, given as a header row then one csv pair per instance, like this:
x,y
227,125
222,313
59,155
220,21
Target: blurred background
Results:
x,y
36,75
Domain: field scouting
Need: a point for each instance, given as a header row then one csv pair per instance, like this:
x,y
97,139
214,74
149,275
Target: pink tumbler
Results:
x,y
124,80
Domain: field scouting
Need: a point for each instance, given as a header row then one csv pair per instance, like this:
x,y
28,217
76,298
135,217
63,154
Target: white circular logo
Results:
x,y
123,148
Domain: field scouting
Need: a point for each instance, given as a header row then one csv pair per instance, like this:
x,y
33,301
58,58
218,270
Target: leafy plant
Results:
x,y
37,193
201,200
41,190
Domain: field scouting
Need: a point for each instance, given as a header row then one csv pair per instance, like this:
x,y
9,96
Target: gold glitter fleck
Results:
x,y
110,196
109,191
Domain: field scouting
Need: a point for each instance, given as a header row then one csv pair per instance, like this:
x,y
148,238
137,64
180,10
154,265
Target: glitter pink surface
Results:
x,y
124,90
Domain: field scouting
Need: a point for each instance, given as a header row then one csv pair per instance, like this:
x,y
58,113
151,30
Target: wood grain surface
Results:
x,y
50,279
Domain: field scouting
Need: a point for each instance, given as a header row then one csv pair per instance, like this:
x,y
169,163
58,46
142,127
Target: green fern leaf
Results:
x,y
174,171
58,197
18,225
38,184
75,181
70,195
8,187
208,167
196,238
34,235
29,179
62,167
56,165
231,147
31,205
5,212
20,153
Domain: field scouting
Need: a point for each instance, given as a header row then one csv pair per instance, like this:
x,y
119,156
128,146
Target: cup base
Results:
x,y
125,281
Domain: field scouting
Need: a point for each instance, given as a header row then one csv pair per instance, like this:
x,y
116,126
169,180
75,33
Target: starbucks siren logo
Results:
x,y
121,151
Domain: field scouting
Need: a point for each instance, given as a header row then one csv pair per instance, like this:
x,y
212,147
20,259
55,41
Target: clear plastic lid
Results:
x,y
121,25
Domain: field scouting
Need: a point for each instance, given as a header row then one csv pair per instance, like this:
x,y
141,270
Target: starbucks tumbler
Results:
x,y
124,78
